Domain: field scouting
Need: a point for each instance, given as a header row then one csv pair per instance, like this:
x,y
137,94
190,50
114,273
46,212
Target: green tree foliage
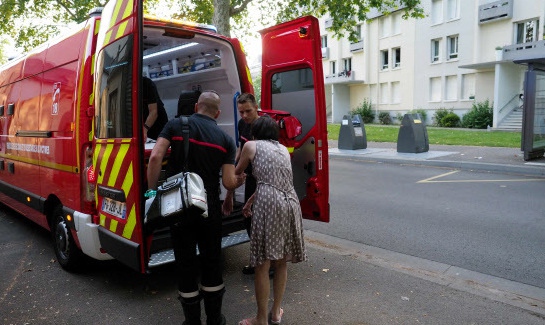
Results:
x,y
31,23
44,18
347,14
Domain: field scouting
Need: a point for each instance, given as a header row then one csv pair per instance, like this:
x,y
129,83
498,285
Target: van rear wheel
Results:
x,y
68,254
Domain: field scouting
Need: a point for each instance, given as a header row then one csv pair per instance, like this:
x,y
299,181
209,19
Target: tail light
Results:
x,y
89,182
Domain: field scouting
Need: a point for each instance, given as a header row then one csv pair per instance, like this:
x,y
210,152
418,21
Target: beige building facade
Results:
x,y
462,52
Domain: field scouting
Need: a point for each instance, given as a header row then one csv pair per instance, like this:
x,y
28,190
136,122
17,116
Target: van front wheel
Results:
x,y
68,254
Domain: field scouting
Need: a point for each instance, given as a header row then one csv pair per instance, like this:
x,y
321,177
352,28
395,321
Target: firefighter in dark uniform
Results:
x,y
248,111
155,115
211,150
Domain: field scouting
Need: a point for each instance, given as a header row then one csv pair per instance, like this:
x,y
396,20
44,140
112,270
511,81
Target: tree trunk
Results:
x,y
221,17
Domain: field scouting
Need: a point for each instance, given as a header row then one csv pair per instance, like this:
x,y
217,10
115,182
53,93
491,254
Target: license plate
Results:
x,y
115,208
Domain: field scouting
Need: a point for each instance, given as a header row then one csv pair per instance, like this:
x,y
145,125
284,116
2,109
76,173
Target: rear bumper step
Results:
x,y
167,256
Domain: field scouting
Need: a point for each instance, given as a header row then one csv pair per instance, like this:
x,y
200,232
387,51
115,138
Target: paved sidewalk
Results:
x,y
494,159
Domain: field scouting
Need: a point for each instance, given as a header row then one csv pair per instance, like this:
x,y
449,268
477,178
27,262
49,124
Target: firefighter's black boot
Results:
x,y
212,307
192,310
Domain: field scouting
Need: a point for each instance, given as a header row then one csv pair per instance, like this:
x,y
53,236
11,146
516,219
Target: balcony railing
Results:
x,y
341,77
495,11
355,47
525,51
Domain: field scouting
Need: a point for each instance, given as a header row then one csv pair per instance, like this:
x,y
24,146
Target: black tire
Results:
x,y
68,254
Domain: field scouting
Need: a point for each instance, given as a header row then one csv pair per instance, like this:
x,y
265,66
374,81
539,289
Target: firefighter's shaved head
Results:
x,y
208,103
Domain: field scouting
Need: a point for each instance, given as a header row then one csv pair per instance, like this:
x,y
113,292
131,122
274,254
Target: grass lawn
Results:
x,y
436,135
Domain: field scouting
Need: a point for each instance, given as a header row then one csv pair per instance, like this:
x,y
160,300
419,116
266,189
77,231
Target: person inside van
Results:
x,y
155,115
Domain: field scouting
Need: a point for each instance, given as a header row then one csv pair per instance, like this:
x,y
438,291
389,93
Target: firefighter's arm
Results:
x,y
229,179
155,162
227,207
152,117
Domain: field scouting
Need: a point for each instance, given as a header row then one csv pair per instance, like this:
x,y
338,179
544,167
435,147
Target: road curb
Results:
x,y
490,167
509,292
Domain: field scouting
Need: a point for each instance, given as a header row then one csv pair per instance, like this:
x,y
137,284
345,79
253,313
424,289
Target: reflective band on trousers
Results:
x,y
213,289
188,294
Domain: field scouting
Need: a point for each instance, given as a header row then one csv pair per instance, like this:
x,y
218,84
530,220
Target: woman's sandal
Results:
x,y
276,322
247,321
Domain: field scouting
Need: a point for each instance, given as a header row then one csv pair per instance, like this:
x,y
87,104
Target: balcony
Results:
x,y
525,52
341,77
356,47
325,53
494,11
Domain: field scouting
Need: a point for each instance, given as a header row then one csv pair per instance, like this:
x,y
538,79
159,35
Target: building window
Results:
x,y
396,23
332,67
453,9
436,12
384,26
526,32
435,50
358,32
384,93
384,58
468,86
435,89
396,92
347,64
452,47
451,88
323,39
396,52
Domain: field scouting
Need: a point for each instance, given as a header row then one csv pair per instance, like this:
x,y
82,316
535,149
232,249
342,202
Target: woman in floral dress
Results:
x,y
277,229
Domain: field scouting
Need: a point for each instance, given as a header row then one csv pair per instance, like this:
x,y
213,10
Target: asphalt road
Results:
x,y
352,282
485,222
340,284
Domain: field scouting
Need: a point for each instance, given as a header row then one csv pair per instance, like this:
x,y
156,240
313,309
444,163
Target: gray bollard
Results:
x,y
412,136
352,133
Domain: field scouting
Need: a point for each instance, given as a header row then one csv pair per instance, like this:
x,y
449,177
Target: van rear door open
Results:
x,y
293,81
118,148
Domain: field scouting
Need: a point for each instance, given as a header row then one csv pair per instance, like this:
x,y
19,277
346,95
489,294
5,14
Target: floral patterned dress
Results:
x,y
277,227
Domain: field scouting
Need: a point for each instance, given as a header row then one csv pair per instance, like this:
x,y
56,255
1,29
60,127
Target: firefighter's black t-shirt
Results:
x,y
209,149
245,135
150,96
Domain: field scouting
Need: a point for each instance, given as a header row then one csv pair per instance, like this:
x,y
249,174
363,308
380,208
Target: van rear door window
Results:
x,y
114,111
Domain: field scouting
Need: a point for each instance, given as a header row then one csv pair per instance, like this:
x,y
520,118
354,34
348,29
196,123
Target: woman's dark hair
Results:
x,y
265,128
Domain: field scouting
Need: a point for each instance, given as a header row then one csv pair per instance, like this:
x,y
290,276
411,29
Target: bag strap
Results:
x,y
185,133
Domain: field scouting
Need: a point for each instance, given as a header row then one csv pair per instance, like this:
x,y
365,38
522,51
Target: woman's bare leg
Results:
x,y
279,286
262,290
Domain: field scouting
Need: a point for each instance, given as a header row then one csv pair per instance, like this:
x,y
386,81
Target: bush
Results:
x,y
365,111
384,118
479,117
451,120
439,114
423,113
399,117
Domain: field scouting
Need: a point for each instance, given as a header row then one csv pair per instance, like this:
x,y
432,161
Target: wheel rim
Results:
x,y
61,239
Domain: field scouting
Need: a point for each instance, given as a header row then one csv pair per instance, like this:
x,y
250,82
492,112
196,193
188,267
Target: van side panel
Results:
x,y
37,131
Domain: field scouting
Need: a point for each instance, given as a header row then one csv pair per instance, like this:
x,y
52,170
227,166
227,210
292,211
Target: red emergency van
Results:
x,y
72,154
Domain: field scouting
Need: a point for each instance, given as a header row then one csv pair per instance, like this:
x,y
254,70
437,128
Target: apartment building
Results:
x,y
461,52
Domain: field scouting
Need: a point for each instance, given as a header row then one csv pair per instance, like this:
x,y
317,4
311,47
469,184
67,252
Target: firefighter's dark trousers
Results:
x,y
196,230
